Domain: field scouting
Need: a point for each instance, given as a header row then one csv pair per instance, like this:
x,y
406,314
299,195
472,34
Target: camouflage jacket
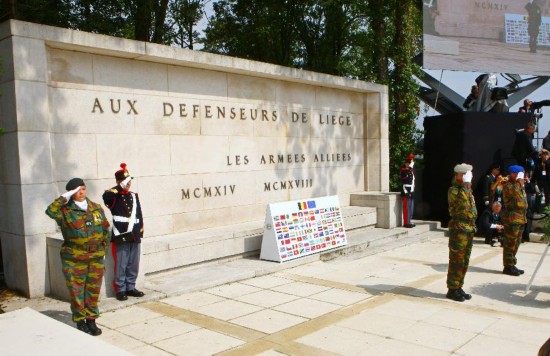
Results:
x,y
515,202
462,208
85,233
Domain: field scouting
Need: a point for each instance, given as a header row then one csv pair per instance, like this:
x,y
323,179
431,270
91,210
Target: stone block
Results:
x,y
74,155
328,98
228,189
163,115
17,250
88,111
296,94
145,155
6,53
199,154
73,40
336,124
240,87
34,157
29,59
164,195
197,83
70,67
241,125
388,213
15,262
32,105
157,224
247,213
132,75
56,279
10,172
8,109
36,198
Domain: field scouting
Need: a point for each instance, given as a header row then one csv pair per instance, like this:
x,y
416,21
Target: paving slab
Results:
x,y
385,300
28,332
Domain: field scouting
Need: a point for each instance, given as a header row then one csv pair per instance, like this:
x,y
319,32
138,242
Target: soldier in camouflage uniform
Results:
x,y
514,218
86,236
462,227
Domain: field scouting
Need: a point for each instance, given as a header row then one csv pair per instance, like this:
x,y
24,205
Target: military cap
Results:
x,y
74,183
122,173
409,158
515,169
463,168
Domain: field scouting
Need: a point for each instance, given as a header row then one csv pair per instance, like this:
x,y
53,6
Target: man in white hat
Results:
x,y
462,226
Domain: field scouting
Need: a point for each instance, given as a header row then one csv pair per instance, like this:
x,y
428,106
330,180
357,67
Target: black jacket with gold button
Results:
x,y
121,203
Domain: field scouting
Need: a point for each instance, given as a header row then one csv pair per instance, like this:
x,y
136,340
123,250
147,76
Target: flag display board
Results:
x,y
303,227
516,30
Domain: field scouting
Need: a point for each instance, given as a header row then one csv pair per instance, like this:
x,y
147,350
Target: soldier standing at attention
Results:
x,y
514,218
407,190
85,231
462,226
127,234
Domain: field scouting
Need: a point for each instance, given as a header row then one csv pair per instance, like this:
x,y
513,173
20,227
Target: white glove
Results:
x,y
125,182
70,193
486,203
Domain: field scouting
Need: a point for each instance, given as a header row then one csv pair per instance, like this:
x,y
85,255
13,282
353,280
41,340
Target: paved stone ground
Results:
x,y
389,303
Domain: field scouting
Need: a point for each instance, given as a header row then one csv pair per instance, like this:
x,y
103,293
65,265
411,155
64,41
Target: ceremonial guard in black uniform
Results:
x,y
407,190
126,235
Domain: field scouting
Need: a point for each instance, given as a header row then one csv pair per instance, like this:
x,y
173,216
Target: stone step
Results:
x,y
361,242
189,249
167,252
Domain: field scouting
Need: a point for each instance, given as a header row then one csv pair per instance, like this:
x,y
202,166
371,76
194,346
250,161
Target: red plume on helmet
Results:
x,y
122,173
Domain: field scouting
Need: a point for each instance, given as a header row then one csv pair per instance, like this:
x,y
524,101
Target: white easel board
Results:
x,y
302,227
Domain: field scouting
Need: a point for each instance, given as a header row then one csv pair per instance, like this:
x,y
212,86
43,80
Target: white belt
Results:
x,y
123,219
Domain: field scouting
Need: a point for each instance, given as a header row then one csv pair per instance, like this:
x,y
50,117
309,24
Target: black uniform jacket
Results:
x,y
121,204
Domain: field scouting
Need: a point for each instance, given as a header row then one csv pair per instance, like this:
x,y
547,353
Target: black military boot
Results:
x,y
94,330
82,326
464,294
511,271
455,295
519,270
135,293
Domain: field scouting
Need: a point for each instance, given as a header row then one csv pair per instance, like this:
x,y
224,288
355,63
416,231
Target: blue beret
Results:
x,y
515,169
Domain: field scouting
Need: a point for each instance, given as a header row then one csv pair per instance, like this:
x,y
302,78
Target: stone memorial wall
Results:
x,y
209,139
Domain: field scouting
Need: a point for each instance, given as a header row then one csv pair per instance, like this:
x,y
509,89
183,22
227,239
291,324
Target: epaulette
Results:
x,y
113,190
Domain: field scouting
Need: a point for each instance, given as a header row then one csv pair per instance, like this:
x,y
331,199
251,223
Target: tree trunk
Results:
x,y
143,19
160,17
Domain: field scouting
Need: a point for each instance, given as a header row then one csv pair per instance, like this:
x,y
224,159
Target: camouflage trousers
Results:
x,y
512,238
83,279
460,248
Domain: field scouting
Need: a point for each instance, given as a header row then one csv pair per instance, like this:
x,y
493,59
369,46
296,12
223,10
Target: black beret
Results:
x,y
74,183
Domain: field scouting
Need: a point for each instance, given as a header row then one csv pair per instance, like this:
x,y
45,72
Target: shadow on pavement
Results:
x,y
380,289
512,293
62,316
